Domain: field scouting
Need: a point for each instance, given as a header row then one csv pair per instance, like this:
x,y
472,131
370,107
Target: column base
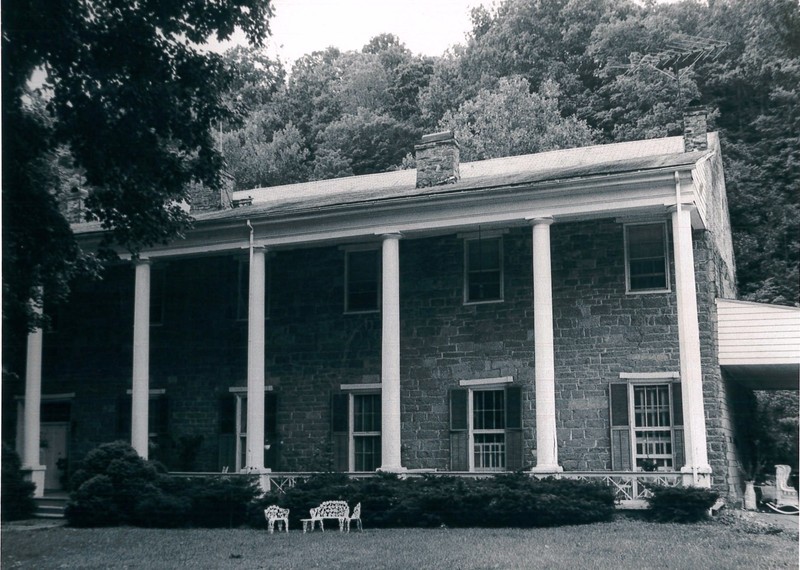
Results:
x,y
391,469
547,469
696,476
35,473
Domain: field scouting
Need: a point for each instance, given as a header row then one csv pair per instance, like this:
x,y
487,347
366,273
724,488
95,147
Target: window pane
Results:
x,y
488,410
490,451
366,413
647,265
367,452
484,274
362,280
653,420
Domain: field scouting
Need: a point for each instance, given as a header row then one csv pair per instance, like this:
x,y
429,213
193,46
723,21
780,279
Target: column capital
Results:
x,y
390,235
540,221
142,261
685,207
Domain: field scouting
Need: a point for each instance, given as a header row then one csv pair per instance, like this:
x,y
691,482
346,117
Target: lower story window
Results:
x,y
233,431
366,432
486,429
646,427
356,429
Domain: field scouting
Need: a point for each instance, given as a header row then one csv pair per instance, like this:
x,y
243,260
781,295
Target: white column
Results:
x,y
697,469
31,413
255,360
544,369
390,356
140,393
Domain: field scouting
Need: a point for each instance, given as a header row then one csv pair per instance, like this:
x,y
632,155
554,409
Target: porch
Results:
x,y
631,489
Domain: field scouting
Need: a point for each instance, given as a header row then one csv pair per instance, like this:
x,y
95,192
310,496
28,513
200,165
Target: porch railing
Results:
x,y
630,488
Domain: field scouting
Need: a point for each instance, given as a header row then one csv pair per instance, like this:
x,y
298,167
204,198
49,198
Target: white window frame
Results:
x,y
352,434
355,249
484,385
353,390
474,237
667,287
241,436
642,380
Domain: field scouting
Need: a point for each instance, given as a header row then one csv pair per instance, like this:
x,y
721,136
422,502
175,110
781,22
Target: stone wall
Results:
x,y
312,347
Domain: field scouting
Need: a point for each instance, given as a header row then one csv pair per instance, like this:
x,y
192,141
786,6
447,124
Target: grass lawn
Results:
x,y
620,544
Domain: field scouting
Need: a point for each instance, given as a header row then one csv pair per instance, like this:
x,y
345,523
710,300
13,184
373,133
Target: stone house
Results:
x,y
558,313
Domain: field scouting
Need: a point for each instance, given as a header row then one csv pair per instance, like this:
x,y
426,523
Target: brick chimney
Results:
x,y
203,199
695,129
437,158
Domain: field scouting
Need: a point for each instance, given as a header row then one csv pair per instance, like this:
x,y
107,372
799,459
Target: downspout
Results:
x,y
250,260
678,239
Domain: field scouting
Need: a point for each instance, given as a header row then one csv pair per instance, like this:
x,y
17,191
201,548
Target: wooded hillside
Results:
x,y
536,75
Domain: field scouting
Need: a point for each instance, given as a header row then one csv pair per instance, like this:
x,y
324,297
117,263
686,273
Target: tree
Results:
x,y
510,120
372,142
133,98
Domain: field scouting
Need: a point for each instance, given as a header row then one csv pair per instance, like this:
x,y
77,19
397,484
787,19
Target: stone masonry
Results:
x,y
200,349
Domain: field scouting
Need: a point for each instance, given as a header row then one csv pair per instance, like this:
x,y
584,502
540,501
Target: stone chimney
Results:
x,y
71,204
695,129
203,199
437,158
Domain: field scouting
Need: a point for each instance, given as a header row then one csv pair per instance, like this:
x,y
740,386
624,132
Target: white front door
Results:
x,y
54,439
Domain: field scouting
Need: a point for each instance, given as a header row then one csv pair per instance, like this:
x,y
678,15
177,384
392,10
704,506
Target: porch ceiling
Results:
x,y
759,344
765,376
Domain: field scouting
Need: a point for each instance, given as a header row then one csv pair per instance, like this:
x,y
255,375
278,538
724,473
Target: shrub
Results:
x,y
680,504
161,510
220,501
516,500
106,488
17,493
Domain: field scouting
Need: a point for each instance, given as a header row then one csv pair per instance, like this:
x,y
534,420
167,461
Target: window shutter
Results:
x,y
271,436
514,428
679,451
620,428
124,404
459,430
227,432
340,431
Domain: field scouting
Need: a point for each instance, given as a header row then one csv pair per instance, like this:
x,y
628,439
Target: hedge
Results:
x,y
512,500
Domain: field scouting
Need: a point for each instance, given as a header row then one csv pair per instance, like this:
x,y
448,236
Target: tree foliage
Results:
x,y
510,120
133,97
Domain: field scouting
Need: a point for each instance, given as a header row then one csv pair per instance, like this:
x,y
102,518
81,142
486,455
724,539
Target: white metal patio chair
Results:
x,y
785,499
355,516
274,514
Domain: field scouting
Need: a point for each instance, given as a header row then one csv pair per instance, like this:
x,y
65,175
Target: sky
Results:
x,y
426,27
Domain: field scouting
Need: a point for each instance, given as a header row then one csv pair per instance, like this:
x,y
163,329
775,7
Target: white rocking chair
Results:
x,y
785,500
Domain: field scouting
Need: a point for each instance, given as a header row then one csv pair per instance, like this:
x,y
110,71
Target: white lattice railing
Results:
x,y
627,486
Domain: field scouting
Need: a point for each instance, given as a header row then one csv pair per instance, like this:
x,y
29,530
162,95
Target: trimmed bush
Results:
x,y
17,493
681,504
220,501
106,488
515,500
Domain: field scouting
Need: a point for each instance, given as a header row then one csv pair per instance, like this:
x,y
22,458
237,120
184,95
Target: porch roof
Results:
x,y
759,344
545,167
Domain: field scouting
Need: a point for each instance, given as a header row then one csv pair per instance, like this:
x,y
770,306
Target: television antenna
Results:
x,y
680,54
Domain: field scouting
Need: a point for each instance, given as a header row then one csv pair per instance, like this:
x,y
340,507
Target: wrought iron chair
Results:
x,y
274,514
355,516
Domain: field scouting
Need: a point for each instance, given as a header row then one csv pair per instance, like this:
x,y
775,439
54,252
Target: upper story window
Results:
x,y
483,270
646,264
362,280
